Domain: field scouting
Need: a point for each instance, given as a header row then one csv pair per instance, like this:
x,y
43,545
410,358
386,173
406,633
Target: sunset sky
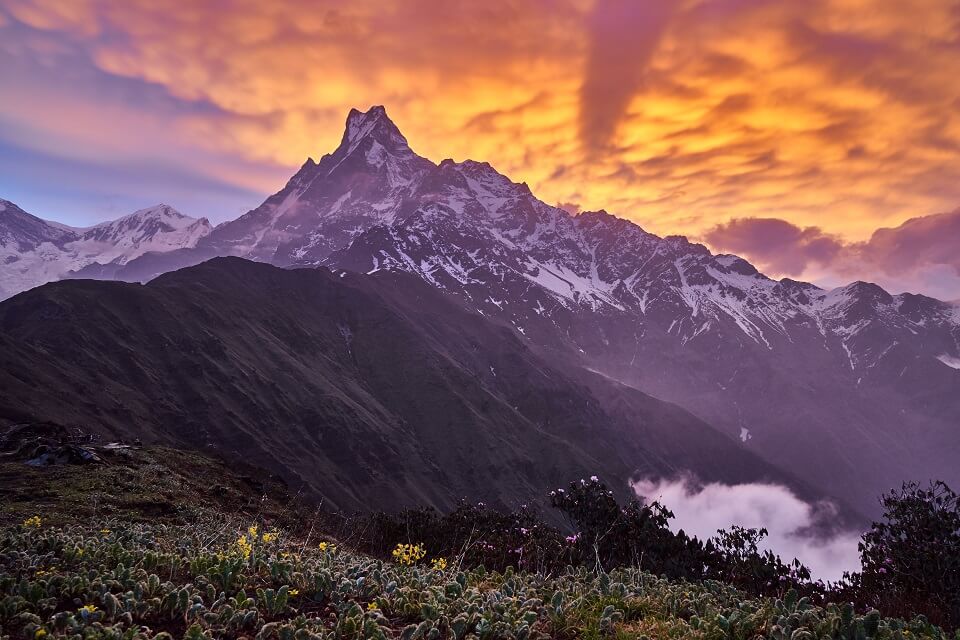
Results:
x,y
788,131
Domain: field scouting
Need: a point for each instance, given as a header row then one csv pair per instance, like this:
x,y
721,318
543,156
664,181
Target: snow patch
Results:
x,y
589,290
950,361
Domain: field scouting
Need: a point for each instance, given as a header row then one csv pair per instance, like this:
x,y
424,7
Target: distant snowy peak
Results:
x,y
160,214
157,228
21,231
149,223
34,251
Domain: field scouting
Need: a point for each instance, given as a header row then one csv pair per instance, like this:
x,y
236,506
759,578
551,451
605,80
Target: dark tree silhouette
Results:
x,y
911,560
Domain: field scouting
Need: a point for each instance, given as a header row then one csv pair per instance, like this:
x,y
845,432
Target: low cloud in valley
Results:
x,y
795,526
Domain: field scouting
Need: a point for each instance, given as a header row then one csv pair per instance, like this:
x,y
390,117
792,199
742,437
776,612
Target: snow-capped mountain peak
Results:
x,y
326,204
376,125
156,228
34,251
162,212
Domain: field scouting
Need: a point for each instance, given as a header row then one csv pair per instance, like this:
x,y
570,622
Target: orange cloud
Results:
x,y
839,114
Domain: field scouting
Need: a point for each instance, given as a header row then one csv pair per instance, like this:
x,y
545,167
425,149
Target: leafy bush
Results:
x,y
739,561
911,560
609,535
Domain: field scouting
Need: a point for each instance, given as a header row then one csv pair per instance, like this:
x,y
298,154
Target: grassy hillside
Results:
x,y
135,484
217,578
146,541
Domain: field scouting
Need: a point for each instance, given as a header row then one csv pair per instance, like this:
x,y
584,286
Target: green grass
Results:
x,y
140,580
149,539
150,484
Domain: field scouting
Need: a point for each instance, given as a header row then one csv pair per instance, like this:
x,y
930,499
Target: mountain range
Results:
x,y
34,251
362,391
851,390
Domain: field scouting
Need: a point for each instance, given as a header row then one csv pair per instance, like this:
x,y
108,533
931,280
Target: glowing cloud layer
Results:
x,y
835,114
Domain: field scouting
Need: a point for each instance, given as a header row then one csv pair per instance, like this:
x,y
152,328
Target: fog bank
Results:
x,y
793,524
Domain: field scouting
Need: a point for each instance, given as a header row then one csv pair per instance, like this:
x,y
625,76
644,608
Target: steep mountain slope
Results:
x,y
361,184
34,251
27,246
371,391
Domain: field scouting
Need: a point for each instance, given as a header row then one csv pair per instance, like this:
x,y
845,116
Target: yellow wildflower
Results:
x,y
40,633
439,564
323,546
270,536
89,608
408,554
33,522
294,592
252,530
372,606
79,552
242,547
105,532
